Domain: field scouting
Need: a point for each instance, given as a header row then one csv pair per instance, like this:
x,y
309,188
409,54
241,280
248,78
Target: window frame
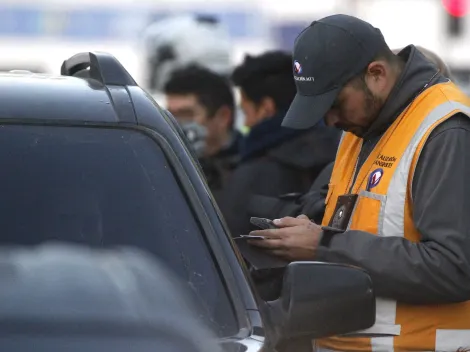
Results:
x,y
210,237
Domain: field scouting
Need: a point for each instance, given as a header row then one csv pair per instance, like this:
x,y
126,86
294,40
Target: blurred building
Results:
x,y
40,34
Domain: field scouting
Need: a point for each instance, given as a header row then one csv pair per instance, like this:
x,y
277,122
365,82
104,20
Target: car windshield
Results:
x,y
106,187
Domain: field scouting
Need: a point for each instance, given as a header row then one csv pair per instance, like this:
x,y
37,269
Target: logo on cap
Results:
x,y
297,67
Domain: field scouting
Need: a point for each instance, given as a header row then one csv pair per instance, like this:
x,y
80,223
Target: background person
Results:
x,y
273,160
176,42
203,101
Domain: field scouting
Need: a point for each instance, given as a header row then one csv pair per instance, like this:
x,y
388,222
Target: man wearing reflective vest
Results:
x,y
399,194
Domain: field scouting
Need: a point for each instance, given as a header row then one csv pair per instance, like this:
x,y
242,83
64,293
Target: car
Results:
x,y
89,157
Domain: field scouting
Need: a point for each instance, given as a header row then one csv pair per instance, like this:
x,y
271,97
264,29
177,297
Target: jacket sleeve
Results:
x,y
311,203
436,270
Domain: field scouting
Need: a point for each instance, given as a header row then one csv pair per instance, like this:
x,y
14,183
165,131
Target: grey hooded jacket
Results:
x,y
436,270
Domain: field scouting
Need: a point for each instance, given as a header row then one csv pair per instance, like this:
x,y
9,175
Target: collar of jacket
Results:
x,y
418,71
232,147
266,135
313,149
229,156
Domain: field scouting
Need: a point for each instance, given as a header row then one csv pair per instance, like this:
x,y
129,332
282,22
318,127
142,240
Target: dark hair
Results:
x,y
386,54
267,75
211,89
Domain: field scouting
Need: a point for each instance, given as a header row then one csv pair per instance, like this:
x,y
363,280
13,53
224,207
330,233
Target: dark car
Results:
x,y
92,159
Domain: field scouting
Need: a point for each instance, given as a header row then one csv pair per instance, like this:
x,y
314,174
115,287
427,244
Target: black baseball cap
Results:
x,y
327,54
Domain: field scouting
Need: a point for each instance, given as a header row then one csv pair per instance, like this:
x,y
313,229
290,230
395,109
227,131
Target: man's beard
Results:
x,y
372,107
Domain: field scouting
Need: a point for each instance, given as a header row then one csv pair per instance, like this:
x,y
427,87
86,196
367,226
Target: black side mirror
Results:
x,y
321,300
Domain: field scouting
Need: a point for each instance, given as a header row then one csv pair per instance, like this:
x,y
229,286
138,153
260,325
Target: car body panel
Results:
x,y
58,100
38,96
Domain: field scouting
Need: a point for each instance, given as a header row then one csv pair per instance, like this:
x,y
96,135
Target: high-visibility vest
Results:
x,y
386,210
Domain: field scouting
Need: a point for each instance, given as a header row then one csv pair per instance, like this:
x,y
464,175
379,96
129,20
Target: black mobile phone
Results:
x,y
249,237
262,223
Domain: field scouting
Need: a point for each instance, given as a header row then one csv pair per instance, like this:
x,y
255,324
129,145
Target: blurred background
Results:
x,y
38,35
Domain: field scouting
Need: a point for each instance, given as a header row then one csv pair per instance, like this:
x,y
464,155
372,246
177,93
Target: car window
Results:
x,y
106,187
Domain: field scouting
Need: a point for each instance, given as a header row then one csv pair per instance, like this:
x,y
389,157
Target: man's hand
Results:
x,y
296,239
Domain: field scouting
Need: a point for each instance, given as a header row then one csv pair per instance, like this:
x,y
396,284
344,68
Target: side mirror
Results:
x,y
321,300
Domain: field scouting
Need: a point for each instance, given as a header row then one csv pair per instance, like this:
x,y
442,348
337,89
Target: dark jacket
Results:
x,y
218,168
274,161
436,270
311,203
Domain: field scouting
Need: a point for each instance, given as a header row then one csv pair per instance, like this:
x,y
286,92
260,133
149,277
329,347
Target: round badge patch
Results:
x,y
374,178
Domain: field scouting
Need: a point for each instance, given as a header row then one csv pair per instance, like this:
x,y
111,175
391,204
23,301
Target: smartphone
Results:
x,y
262,223
248,237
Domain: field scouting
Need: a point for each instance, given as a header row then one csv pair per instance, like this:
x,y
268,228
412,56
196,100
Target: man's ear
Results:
x,y
378,69
378,77
268,107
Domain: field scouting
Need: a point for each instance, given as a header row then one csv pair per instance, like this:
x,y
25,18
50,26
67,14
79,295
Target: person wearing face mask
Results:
x,y
202,102
398,198
273,160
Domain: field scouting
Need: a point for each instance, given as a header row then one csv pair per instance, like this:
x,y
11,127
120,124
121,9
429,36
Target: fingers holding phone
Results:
x,y
263,223
292,239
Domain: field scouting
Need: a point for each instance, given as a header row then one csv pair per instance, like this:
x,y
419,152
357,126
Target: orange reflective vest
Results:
x,y
386,210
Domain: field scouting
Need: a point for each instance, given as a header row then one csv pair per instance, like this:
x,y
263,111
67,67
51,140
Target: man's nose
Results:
x,y
331,117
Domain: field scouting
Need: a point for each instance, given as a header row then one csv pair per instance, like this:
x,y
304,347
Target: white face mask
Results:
x,y
196,135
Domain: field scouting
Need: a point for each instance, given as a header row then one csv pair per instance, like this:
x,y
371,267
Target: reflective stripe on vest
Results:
x,y
391,221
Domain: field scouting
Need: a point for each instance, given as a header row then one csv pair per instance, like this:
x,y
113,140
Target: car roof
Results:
x,y
37,96
98,98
